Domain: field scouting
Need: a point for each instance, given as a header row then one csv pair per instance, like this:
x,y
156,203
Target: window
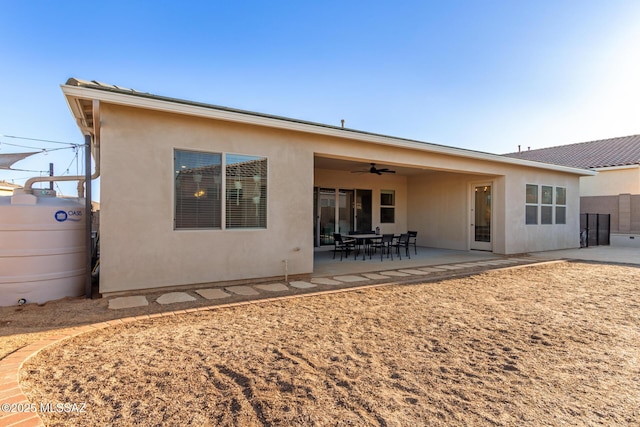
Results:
x,y
561,208
246,201
546,210
531,209
199,193
197,183
387,206
550,202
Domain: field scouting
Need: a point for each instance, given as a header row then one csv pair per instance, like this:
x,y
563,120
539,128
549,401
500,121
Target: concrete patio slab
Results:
x,y
128,302
301,284
175,297
212,293
350,278
273,287
242,290
325,281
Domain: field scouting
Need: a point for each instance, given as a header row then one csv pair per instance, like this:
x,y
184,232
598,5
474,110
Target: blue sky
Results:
x,y
482,75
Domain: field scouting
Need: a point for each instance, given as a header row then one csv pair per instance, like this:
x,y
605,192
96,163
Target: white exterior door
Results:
x,y
480,217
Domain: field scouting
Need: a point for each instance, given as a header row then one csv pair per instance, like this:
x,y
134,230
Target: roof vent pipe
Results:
x,y
342,121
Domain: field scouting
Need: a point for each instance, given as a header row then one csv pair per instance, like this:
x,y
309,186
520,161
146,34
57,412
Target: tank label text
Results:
x,y
62,216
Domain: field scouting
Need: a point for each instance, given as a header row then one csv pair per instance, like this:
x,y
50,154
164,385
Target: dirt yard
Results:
x,y
543,345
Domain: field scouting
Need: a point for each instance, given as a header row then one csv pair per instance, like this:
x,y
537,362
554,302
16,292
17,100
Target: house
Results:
x,y
6,188
615,190
195,193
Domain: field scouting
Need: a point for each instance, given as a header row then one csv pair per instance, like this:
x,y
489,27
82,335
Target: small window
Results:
x,y
546,215
561,209
532,214
387,206
561,196
531,208
561,215
246,191
547,195
532,193
546,212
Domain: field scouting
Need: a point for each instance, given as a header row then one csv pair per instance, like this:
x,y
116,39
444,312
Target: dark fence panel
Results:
x,y
594,229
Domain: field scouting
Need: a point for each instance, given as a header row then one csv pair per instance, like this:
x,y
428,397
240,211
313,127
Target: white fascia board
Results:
x,y
149,102
615,168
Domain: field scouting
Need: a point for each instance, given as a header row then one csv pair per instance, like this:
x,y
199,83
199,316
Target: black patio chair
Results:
x,y
384,244
342,245
413,240
402,242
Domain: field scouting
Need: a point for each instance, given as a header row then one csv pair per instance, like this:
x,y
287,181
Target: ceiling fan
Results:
x,y
375,170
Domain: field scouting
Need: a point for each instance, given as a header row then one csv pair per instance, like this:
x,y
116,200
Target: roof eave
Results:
x,y
75,95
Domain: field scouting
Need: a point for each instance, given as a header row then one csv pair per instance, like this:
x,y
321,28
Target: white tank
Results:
x,y
42,248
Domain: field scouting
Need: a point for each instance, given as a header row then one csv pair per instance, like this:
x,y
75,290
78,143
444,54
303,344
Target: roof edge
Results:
x,y
82,89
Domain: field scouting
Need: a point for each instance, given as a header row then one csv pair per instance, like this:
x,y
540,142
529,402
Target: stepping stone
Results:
x,y
273,287
301,285
174,297
128,302
413,271
395,273
212,293
350,278
242,290
432,269
325,281
375,276
453,267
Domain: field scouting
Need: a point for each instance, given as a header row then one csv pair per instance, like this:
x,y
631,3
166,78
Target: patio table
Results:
x,y
361,240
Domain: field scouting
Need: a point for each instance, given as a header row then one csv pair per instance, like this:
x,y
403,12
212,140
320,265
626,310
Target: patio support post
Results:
x,y
87,218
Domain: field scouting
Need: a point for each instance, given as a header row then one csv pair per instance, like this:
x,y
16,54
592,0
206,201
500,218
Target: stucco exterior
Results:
x,y
142,249
612,181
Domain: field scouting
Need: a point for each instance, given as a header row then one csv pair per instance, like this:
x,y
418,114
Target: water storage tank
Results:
x,y
42,247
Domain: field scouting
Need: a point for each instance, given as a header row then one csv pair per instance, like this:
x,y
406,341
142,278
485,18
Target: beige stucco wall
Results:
x,y
521,237
141,250
611,182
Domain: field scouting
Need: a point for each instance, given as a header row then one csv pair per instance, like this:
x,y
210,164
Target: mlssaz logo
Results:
x,y
62,216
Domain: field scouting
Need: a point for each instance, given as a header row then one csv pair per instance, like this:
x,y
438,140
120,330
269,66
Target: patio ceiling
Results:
x,y
356,165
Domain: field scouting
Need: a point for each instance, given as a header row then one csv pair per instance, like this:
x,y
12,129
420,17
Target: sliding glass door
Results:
x,y
351,208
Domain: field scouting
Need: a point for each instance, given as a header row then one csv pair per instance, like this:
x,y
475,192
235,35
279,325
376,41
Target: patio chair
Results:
x,y
402,242
413,239
383,244
342,245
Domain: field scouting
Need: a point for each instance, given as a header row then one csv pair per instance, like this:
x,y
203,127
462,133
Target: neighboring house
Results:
x,y
615,190
195,193
6,188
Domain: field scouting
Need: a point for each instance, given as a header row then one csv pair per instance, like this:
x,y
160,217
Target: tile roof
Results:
x,y
619,151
